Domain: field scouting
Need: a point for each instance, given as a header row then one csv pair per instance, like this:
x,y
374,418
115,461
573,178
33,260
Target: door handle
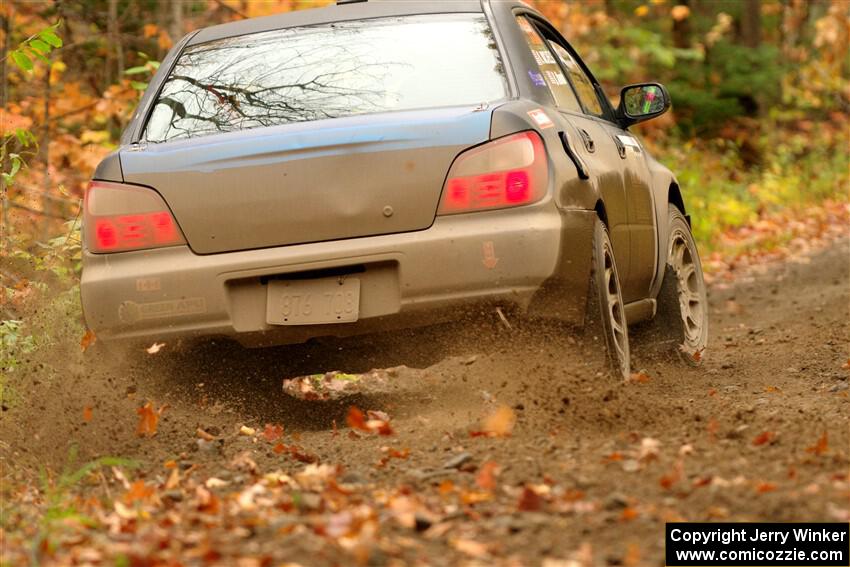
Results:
x,y
581,168
588,141
621,147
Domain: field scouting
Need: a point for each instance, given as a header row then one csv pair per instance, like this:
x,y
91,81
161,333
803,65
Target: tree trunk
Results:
x,y
176,28
113,29
45,154
751,23
682,29
5,228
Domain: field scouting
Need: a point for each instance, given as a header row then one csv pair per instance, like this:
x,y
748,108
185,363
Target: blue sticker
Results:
x,y
537,79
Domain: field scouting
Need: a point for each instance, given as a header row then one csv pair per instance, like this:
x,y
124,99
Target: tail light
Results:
x,y
120,217
507,172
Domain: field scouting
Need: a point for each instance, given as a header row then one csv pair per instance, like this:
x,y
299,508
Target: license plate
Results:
x,y
313,302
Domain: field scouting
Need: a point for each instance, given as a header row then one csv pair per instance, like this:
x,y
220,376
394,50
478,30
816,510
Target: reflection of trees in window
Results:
x,y
328,71
268,81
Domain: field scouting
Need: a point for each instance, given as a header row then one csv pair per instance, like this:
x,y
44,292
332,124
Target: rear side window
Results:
x,y
328,71
550,72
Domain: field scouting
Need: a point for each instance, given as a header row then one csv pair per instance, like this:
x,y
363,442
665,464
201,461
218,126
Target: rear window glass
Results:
x,y
328,71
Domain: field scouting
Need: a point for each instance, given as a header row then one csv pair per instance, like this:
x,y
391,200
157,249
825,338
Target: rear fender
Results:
x,y
665,190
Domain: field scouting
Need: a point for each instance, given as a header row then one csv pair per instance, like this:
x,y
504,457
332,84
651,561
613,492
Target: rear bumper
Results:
x,y
536,258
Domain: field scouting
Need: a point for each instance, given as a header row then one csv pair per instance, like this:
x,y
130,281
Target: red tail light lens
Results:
x,y
120,217
507,172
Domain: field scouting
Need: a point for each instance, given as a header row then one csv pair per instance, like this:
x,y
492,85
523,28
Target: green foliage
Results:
x,y
36,47
722,192
148,69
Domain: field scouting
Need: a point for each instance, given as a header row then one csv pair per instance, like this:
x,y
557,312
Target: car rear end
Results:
x,y
330,178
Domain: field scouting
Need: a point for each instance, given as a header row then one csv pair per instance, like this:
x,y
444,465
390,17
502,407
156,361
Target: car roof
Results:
x,y
333,13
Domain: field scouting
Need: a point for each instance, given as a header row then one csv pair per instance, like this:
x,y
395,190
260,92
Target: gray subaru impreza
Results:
x,y
386,164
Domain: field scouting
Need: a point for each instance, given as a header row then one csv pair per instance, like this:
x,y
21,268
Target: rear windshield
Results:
x,y
328,71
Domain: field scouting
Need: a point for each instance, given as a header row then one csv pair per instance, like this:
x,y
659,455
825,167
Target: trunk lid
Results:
x,y
308,182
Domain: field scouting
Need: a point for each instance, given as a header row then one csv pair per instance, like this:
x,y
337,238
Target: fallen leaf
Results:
x,y
529,500
356,419
206,501
486,477
204,435
148,419
668,480
712,427
392,454
138,492
469,497
88,340
500,423
639,377
470,547
173,479
763,487
628,514
154,348
821,446
649,449
272,432
763,438
446,486
87,414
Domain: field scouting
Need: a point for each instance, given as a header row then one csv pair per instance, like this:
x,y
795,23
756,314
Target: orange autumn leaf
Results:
x,y
763,487
87,414
628,514
668,480
272,432
446,486
639,377
500,423
150,30
821,446
529,500
148,420
88,340
138,492
486,477
763,438
279,448
712,428
356,419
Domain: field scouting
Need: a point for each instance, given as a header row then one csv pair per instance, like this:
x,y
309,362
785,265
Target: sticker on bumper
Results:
x,y
130,311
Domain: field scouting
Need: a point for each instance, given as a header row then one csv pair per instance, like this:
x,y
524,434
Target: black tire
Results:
x,y
605,318
680,326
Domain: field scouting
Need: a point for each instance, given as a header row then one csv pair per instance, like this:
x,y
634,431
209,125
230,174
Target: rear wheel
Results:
x,y
605,317
681,323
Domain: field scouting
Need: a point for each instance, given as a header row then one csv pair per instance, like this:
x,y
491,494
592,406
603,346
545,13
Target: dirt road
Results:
x,y
590,473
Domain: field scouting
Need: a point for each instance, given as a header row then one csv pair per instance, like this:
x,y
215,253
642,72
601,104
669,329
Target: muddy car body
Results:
x,y
486,168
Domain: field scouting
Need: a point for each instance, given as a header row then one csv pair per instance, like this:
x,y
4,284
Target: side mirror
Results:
x,y
642,102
